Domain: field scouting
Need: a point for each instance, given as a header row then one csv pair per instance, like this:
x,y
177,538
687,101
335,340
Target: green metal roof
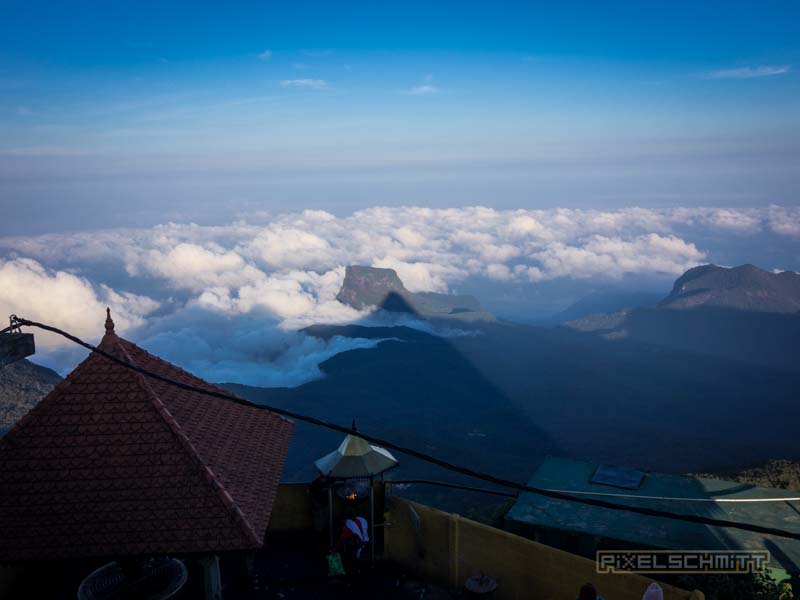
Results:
x,y
657,532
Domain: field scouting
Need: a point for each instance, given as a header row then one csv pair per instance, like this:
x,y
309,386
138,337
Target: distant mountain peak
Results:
x,y
364,287
745,287
369,286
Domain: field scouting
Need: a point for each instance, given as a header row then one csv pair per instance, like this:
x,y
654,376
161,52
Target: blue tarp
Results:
x,y
656,532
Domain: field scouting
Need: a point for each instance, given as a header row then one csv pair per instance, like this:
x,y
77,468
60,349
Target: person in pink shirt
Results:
x,y
354,536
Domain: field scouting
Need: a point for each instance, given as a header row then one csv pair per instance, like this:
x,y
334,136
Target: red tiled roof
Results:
x,y
112,463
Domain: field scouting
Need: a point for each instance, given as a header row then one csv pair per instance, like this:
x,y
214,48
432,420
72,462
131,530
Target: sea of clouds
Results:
x,y
228,302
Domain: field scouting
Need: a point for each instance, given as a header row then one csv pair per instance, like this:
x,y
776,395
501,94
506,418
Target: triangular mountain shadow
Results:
x,y
417,390
394,302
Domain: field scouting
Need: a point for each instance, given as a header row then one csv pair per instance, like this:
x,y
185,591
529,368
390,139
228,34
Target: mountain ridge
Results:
x,y
742,313
22,385
745,287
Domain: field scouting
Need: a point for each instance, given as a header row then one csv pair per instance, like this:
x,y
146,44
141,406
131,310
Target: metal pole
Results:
x,y
330,518
372,518
212,580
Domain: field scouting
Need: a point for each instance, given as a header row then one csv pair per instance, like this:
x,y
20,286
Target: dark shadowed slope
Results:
x,y
502,396
639,404
502,399
22,385
417,390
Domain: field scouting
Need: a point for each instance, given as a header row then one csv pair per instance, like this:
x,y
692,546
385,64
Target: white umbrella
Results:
x,y
355,458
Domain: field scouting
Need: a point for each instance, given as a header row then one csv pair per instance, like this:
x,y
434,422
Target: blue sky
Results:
x,y
232,158
186,110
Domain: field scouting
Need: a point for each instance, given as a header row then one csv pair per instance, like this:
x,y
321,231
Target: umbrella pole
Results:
x,y
330,518
372,518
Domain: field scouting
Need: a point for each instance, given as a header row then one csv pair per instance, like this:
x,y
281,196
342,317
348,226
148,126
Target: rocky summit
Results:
x,y
365,287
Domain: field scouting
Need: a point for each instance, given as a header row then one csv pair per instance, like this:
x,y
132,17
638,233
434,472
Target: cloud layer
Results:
x,y
749,72
314,84
227,301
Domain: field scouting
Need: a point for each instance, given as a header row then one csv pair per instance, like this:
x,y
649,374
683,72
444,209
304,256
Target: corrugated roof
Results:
x,y
656,532
112,463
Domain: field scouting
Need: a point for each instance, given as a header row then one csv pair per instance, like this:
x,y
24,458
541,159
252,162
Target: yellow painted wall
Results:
x,y
449,549
291,510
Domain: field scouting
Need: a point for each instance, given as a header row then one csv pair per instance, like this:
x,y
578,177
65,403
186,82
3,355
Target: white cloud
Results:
x,y
432,248
280,273
784,221
317,53
65,300
499,272
421,90
196,267
314,84
288,247
247,349
734,220
615,257
748,72
266,55
417,276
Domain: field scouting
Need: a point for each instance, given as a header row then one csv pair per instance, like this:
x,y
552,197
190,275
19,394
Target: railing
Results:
x,y
447,549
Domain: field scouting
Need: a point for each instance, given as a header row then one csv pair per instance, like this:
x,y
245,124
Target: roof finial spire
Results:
x,y
353,426
109,322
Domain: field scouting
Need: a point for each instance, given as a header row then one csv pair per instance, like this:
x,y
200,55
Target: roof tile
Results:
x,y
112,463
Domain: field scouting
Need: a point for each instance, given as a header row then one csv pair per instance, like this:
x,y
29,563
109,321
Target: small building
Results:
x,y
582,528
116,464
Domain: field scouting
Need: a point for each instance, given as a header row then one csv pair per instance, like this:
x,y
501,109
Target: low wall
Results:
x,y
292,509
449,549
